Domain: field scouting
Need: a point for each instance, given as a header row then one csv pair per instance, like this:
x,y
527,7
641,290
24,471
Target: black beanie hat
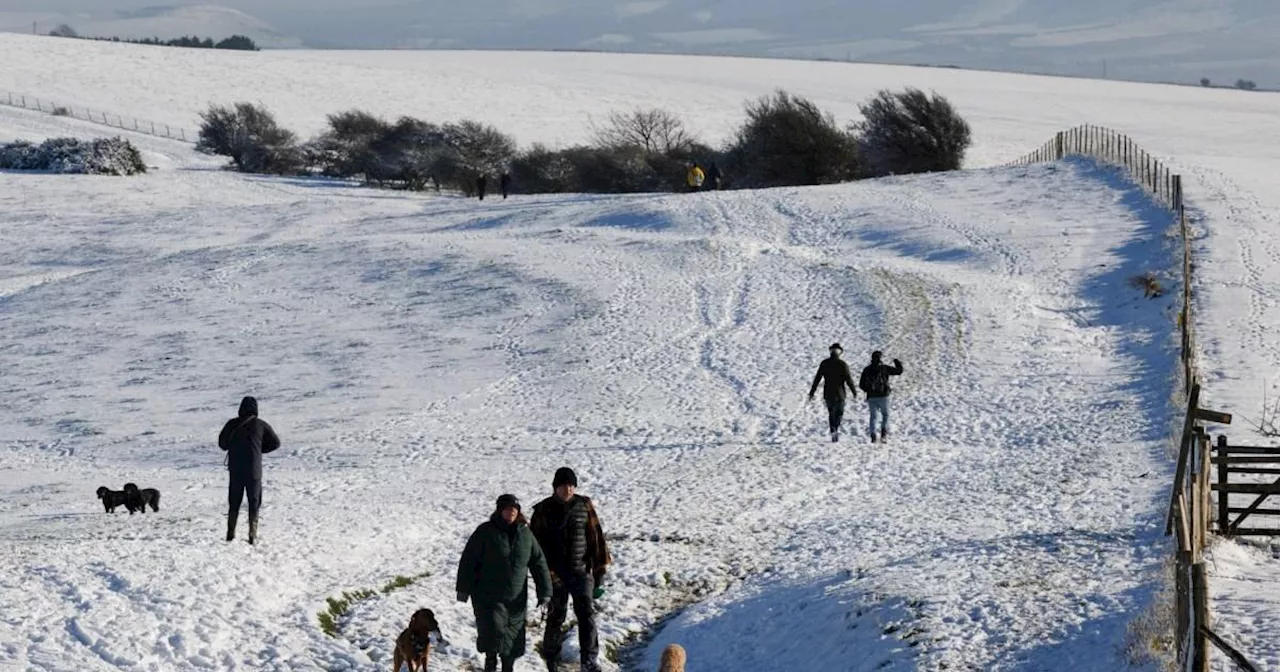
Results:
x,y
564,476
508,500
836,346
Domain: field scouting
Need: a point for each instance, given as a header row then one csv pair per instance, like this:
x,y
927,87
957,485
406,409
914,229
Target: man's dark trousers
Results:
x,y
835,412
242,485
580,588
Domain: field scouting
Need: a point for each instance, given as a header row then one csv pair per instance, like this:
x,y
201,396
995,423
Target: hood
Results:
x,y
248,407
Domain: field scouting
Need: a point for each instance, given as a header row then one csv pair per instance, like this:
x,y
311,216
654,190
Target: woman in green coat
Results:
x,y
494,573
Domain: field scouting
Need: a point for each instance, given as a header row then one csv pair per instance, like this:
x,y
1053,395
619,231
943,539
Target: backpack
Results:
x,y
878,381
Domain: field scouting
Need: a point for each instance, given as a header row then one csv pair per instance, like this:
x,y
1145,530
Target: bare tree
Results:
x,y
652,131
64,30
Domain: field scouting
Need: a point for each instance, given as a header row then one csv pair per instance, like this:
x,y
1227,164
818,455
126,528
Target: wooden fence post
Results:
x,y
1182,583
1200,600
1058,142
1224,497
1180,473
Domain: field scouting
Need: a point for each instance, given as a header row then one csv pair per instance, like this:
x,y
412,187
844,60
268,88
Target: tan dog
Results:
x,y
414,642
672,659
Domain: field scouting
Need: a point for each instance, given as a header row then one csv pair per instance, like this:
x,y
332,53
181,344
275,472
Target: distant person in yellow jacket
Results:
x,y
695,177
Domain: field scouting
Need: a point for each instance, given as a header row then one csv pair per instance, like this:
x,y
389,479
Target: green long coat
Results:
x,y
494,572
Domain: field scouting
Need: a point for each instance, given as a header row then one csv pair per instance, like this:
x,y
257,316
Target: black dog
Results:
x,y
137,500
113,498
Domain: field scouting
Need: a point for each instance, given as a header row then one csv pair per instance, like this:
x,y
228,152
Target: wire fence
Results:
x,y
1190,507
132,124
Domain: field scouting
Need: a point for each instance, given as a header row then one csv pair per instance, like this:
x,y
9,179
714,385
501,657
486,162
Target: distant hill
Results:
x,y
213,21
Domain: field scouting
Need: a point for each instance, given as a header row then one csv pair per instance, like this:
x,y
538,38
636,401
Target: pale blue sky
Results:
x,y
1172,40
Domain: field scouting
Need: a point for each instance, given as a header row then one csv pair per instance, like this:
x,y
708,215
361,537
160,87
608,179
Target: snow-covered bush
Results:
x,y
345,150
104,156
250,136
474,149
788,141
597,169
911,132
410,153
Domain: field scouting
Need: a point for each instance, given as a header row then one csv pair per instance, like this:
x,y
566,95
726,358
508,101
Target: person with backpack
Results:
x,y
834,374
874,382
246,438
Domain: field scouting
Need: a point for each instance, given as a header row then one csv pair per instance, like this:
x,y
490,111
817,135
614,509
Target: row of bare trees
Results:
x,y
784,140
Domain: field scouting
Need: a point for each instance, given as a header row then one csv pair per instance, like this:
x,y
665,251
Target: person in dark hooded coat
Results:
x,y
494,573
246,438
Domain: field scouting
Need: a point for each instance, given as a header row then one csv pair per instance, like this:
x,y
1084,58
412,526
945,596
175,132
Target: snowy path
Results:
x,y
421,355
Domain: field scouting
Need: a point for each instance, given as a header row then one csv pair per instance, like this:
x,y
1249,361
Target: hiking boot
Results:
x,y
253,530
835,436
231,528
873,437
884,436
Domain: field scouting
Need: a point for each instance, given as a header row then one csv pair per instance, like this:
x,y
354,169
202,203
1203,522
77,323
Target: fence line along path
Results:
x,y
132,124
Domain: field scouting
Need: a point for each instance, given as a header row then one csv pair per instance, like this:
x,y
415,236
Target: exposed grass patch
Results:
x,y
337,607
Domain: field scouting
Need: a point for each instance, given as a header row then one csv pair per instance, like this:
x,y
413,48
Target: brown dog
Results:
x,y
672,659
414,643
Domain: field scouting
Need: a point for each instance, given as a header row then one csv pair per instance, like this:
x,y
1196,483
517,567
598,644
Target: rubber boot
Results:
x,y
253,530
231,528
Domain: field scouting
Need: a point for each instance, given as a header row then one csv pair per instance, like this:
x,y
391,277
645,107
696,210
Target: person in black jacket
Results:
x,y
246,438
505,182
714,175
569,531
835,377
875,383
481,183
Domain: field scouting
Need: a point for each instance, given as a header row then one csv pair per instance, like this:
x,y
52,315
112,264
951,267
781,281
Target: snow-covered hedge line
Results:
x,y
105,156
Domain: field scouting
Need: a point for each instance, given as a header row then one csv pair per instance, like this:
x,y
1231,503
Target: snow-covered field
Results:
x,y
421,354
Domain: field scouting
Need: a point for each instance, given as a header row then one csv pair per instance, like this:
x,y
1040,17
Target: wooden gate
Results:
x,y
1251,474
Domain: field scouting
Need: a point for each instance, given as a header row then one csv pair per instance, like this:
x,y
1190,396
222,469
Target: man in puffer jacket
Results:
x,y
246,438
570,533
